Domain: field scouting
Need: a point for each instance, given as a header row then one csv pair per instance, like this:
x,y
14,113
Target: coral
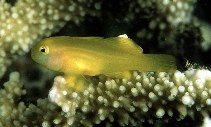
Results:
x,y
153,98
10,105
16,113
147,98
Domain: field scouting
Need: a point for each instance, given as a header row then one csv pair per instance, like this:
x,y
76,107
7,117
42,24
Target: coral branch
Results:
x,y
147,97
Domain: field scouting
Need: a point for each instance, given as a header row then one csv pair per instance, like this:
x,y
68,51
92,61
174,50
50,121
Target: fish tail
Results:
x,y
157,62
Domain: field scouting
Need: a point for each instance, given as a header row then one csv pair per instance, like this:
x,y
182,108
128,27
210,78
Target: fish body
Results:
x,y
92,56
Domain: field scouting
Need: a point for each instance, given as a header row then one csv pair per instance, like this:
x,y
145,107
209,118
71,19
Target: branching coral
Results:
x,y
154,98
147,97
10,105
16,113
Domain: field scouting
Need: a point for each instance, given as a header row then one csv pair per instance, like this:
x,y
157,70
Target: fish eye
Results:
x,y
44,49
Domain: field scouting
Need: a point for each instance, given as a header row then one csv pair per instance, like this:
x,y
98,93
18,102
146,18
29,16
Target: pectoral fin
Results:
x,y
76,82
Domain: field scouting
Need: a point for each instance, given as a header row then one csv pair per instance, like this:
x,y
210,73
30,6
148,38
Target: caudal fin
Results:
x,y
157,62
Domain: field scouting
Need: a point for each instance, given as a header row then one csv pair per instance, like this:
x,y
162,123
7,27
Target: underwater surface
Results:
x,y
33,96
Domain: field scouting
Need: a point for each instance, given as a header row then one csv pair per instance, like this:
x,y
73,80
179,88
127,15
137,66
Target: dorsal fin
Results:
x,y
125,43
131,44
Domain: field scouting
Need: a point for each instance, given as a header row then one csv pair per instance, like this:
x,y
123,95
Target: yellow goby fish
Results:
x,y
91,56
